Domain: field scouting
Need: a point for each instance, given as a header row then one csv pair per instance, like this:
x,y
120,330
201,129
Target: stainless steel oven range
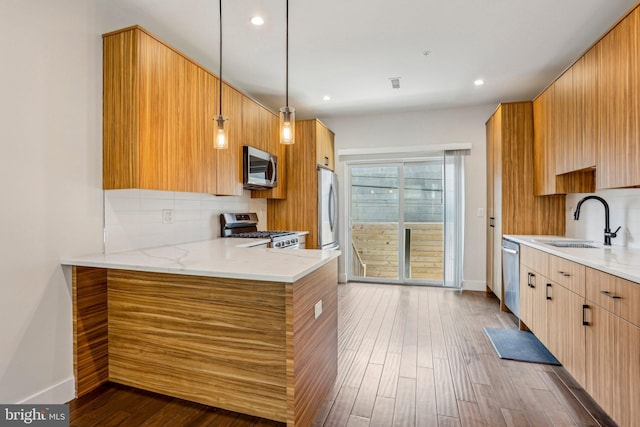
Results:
x,y
245,225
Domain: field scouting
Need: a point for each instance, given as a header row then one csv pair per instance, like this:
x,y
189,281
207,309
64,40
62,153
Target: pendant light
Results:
x,y
221,141
287,114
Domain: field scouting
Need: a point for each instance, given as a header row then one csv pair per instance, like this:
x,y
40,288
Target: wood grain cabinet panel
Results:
x,y
515,208
567,273
228,164
587,132
158,108
613,345
619,88
299,211
564,109
565,329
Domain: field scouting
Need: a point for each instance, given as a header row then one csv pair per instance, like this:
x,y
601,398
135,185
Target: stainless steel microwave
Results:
x,y
260,169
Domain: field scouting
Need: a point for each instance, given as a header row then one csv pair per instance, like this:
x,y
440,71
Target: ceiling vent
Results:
x,y
395,82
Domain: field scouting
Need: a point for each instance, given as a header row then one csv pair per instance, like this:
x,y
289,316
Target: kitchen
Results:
x,y
56,211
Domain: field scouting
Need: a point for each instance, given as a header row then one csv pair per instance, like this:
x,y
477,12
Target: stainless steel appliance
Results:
x,y
245,225
511,275
327,209
259,169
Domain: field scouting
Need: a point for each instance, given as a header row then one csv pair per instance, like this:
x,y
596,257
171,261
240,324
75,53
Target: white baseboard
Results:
x,y
474,285
62,392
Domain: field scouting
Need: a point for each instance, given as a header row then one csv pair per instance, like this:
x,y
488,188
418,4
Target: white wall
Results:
x,y
50,180
624,210
134,218
422,129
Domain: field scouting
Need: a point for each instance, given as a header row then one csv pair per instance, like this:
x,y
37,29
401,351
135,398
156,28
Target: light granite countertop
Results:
x,y
225,258
616,260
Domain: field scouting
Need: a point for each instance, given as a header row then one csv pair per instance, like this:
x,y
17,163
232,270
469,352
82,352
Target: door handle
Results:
x,y
547,291
510,251
532,280
584,318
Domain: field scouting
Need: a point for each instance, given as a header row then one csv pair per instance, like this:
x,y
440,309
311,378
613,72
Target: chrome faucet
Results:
x,y
608,234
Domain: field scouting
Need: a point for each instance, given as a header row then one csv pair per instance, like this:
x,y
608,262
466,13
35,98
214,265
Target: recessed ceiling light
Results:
x,y
257,20
426,53
395,82
478,82
326,98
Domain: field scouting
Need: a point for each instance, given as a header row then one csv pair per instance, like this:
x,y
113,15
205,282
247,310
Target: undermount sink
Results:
x,y
568,243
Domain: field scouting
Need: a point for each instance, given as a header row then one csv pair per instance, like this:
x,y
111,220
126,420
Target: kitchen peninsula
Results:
x,y
248,329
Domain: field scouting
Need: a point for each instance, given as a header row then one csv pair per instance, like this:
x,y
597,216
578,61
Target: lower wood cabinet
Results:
x,y
565,329
590,321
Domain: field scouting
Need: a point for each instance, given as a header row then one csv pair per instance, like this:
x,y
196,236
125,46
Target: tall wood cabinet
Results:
x,y
619,83
512,207
299,211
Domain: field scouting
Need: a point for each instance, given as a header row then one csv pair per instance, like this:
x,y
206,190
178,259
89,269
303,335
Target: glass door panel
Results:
x,y
423,211
375,214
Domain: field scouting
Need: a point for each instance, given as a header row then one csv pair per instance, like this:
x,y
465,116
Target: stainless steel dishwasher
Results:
x,y
511,275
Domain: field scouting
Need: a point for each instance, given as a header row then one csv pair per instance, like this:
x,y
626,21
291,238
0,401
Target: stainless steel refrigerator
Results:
x,y
327,209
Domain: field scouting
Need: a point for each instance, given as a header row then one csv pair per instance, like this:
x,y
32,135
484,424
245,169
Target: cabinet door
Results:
x,y
544,160
564,122
539,308
229,161
626,410
324,146
600,355
619,89
585,79
490,204
527,296
565,331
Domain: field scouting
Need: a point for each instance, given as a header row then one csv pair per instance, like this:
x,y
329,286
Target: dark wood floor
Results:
x,y
408,356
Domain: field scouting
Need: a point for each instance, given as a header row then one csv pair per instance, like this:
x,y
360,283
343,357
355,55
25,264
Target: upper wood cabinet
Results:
x,y
158,108
229,161
515,209
585,87
544,159
299,211
564,111
261,131
324,146
618,163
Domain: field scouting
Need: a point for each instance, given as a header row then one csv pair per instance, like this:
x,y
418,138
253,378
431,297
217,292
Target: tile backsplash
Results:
x,y
624,210
135,219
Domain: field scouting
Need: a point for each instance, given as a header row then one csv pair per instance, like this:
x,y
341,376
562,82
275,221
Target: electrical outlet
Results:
x,y
167,216
318,309
480,213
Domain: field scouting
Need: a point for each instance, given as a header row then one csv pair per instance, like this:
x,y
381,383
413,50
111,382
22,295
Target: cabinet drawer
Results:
x,y
567,273
628,306
534,259
600,289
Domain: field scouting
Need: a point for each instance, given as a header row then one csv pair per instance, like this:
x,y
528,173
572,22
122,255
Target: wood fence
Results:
x,y
376,244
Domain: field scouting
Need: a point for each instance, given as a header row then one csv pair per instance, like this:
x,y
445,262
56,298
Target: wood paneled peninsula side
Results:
x,y
248,329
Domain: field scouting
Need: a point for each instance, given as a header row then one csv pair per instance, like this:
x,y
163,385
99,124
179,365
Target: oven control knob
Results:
x,y
288,242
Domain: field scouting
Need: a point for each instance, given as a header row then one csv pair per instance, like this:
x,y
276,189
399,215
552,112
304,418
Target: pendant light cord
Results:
x,y
220,3
287,58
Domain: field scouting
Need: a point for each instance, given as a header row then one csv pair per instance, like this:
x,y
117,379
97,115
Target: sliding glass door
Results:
x,y
396,222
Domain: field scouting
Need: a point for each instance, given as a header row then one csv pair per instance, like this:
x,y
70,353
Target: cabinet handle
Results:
x,y
610,295
492,222
547,292
584,318
326,161
564,273
530,281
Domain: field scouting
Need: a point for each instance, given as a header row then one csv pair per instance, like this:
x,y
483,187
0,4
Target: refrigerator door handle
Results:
x,y
331,207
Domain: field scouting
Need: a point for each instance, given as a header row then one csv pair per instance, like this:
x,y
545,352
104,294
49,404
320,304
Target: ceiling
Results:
x,y
349,49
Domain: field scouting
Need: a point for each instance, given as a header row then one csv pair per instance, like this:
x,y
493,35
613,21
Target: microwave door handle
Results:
x,y
273,168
